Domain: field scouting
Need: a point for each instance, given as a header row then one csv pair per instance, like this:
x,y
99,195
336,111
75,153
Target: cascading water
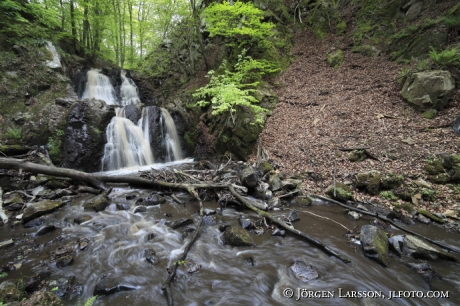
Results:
x,y
173,151
128,91
128,144
99,87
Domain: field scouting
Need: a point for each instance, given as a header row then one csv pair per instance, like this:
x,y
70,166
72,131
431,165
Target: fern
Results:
x,y
445,58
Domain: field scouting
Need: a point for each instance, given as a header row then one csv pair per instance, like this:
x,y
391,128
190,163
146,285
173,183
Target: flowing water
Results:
x,y
117,241
128,144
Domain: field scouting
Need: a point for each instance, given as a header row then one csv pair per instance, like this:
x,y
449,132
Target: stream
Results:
x,y
110,249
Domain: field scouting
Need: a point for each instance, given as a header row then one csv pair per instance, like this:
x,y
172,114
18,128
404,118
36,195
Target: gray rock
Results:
x,y
236,236
35,210
290,184
375,243
278,232
245,223
421,218
396,243
414,10
109,284
249,177
354,215
45,230
82,218
150,256
97,203
208,211
428,90
303,272
140,209
456,125
293,217
181,223
419,248
64,261
275,182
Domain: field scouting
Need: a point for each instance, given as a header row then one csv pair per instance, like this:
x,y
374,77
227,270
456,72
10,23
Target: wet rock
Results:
x,y
419,248
83,244
278,232
57,183
342,192
250,261
6,243
431,216
167,215
302,201
262,191
236,236
423,219
59,285
396,242
131,197
151,200
246,223
13,198
97,203
265,167
425,269
211,219
10,292
375,243
14,207
291,184
274,181
84,135
64,261
36,282
181,222
110,284
192,267
150,256
42,298
38,221
47,194
82,218
63,192
123,206
132,113
293,217
140,209
249,177
35,210
428,90
303,272
354,215
45,230
223,227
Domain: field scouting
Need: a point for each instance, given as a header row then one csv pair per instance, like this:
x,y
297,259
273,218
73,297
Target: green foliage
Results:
x,y
388,195
445,58
452,21
3,274
14,133
241,23
234,87
340,28
54,145
91,301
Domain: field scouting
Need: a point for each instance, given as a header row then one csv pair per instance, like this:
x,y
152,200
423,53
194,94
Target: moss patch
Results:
x,y
335,58
431,216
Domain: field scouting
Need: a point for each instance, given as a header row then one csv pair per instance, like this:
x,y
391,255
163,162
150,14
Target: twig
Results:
x,y
308,212
376,215
172,269
288,228
175,198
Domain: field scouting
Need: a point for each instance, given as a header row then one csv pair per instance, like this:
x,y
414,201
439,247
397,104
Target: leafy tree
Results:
x,y
235,87
240,23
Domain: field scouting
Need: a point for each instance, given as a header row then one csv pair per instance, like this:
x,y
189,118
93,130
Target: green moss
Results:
x,y
434,167
190,138
408,207
392,181
265,167
335,58
431,216
388,195
340,28
342,192
357,155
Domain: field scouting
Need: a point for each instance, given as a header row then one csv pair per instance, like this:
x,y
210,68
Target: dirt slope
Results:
x,y
323,109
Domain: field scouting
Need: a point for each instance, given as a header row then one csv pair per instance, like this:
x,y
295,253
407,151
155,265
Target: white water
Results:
x,y
99,87
126,145
171,138
128,91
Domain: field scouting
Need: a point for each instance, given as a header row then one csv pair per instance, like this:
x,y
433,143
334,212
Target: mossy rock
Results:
x,y
10,292
442,178
357,156
366,50
375,243
431,216
433,168
335,58
342,192
392,181
368,180
42,298
13,149
265,167
408,207
302,201
97,203
236,236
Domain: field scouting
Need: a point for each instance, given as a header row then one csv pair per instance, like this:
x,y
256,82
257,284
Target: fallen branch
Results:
x,y
172,269
376,215
288,228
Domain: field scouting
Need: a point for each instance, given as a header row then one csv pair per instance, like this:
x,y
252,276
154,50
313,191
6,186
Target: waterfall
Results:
x,y
126,145
171,139
99,87
128,91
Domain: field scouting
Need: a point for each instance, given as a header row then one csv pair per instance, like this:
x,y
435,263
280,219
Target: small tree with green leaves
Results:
x,y
240,23
235,87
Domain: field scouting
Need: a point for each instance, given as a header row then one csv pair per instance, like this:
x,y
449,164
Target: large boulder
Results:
x,y
249,177
97,203
237,236
428,90
375,243
85,135
419,248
